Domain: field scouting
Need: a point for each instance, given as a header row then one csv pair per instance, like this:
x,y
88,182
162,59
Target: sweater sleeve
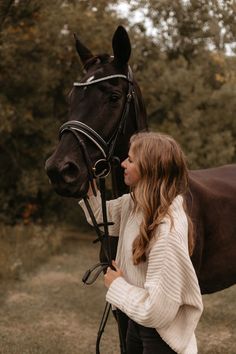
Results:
x,y
114,210
170,283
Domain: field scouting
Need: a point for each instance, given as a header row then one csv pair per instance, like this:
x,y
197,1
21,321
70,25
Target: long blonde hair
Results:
x,y
163,176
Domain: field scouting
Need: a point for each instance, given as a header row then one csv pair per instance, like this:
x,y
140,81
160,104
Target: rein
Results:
x,y
101,170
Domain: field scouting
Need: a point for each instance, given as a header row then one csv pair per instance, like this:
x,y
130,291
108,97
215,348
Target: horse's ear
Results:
x,y
121,46
84,53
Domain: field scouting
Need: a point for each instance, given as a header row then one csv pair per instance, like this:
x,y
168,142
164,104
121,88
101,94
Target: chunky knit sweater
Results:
x,y
162,292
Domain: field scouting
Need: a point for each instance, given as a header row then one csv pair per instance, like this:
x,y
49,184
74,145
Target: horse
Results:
x,y
100,107
211,205
98,102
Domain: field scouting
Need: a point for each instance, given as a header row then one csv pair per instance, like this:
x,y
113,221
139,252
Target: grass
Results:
x,y
45,308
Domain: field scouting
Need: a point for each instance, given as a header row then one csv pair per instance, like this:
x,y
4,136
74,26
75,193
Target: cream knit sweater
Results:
x,y
163,292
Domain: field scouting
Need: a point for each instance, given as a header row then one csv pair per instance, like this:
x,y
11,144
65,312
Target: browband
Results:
x,y
105,78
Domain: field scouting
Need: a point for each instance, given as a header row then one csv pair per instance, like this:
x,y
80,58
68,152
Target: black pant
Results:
x,y
144,340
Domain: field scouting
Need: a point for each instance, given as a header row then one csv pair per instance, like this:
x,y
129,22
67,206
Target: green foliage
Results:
x,y
38,64
195,103
188,83
186,26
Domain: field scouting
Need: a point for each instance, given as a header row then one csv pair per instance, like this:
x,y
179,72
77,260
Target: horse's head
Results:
x,y
103,107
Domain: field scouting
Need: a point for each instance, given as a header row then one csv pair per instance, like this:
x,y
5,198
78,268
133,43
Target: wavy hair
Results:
x,y
163,175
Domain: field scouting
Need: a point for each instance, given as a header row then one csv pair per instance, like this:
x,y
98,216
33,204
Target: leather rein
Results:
x,y
101,169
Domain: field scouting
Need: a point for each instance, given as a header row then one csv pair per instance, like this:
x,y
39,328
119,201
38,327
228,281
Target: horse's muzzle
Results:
x,y
65,177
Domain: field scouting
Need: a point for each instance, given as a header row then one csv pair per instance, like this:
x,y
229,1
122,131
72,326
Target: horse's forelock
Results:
x,y
97,59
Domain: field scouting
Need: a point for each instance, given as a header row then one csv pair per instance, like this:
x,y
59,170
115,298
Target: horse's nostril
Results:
x,y
62,172
70,172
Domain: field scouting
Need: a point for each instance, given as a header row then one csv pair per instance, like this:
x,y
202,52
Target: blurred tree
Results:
x,y
5,7
184,27
188,83
196,104
38,64
187,78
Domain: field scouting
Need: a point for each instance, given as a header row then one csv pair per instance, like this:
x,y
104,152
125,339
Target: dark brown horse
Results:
x,y
99,101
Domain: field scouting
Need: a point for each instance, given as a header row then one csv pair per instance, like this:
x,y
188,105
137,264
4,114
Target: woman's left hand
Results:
x,y
112,274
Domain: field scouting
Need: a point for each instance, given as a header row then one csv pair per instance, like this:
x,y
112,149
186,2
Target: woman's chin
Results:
x,y
126,182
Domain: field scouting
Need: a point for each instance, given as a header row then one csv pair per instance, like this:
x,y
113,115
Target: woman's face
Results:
x,y
131,171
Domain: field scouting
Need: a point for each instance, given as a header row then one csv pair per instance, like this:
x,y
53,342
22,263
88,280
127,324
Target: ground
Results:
x,y
50,311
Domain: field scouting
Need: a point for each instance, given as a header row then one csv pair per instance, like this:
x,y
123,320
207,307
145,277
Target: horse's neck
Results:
x,y
118,186
136,121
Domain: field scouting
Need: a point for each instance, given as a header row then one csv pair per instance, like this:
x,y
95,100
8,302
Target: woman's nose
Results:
x,y
123,163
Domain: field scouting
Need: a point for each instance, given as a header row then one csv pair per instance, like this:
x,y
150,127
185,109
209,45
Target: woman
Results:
x,y
154,282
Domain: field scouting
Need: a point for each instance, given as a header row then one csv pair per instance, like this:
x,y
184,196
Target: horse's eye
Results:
x,y
114,97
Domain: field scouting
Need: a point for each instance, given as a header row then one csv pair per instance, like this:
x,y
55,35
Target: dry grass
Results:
x,y
24,247
216,331
49,311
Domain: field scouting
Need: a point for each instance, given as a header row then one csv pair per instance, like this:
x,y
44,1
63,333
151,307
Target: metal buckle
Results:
x,y
102,168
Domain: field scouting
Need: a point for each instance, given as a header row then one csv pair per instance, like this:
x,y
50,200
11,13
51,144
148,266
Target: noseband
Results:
x,y
102,167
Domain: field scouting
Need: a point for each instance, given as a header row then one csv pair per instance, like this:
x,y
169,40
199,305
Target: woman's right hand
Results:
x,y
90,190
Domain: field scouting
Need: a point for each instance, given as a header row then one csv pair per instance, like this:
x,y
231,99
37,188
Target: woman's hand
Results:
x,y
112,274
90,190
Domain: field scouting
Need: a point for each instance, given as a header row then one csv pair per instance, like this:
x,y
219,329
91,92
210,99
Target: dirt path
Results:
x,y
50,311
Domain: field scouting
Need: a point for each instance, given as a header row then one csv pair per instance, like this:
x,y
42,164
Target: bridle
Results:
x,y
101,169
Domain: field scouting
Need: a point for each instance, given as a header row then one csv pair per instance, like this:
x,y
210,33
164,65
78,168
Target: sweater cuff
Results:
x,y
117,293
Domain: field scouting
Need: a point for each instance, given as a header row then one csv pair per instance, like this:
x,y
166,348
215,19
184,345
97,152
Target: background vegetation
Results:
x,y
183,65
